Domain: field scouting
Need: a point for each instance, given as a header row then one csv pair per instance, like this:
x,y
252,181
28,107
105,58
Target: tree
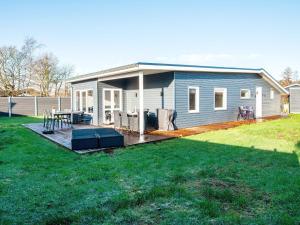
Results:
x,y
21,69
62,73
49,76
287,77
15,67
296,77
44,72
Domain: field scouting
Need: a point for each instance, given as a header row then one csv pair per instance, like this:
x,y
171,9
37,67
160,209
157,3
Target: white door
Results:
x,y
112,100
258,111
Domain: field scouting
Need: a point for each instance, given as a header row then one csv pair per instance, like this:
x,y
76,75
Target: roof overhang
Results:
x,y
292,85
133,70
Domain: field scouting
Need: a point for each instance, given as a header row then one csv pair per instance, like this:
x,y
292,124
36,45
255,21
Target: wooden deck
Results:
x,y
63,137
211,127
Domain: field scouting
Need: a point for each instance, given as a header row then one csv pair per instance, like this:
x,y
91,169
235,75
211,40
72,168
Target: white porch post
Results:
x,y
141,101
71,99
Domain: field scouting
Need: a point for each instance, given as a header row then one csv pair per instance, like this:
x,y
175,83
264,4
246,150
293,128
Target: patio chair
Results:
x,y
87,119
124,120
242,114
117,119
134,123
171,117
77,117
66,120
48,122
250,112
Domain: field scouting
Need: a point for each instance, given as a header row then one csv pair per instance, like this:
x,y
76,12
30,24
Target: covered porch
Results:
x,y
126,93
138,97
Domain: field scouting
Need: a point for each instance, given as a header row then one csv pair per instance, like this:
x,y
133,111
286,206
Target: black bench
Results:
x,y
96,138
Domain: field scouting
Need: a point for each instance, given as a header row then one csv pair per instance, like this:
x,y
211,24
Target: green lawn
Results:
x,y
249,175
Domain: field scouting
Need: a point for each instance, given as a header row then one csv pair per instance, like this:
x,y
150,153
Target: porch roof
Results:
x,y
132,70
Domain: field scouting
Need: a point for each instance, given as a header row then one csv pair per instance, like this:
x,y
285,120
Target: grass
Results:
x,y
245,175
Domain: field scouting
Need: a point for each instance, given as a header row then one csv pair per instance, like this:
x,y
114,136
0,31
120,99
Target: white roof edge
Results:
x,y
98,75
168,67
292,85
197,69
275,82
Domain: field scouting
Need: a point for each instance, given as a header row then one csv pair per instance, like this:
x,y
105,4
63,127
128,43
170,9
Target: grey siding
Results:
x,y
158,92
206,83
294,99
88,85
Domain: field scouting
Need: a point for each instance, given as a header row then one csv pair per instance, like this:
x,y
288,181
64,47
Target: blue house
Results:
x,y
198,94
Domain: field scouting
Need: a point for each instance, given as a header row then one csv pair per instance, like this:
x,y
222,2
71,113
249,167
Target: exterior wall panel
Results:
x,y
294,100
206,83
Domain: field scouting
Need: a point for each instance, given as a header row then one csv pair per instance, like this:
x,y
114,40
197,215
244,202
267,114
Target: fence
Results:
x,y
32,106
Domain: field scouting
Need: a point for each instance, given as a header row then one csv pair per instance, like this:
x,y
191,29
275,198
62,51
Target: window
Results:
x,y
77,102
90,101
84,101
245,94
193,95
117,99
220,98
271,93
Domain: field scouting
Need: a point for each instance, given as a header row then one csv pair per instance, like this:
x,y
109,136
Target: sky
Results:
x,y
95,35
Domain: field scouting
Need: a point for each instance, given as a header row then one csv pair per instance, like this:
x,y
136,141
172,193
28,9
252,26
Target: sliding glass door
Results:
x,y
84,101
112,100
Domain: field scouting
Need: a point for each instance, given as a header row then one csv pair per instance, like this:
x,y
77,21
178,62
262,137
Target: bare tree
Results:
x,y
296,77
287,77
44,71
49,75
60,77
20,69
15,67
27,52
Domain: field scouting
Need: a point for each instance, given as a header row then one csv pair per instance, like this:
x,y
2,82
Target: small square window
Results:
x,y
193,99
220,98
245,94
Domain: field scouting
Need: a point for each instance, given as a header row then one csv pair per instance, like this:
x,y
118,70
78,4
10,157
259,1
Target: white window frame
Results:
x,y
80,102
271,93
224,90
245,89
197,98
112,102
76,108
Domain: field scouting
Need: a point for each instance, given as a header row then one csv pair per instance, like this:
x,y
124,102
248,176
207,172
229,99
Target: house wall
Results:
x,y
87,85
153,86
206,83
294,99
